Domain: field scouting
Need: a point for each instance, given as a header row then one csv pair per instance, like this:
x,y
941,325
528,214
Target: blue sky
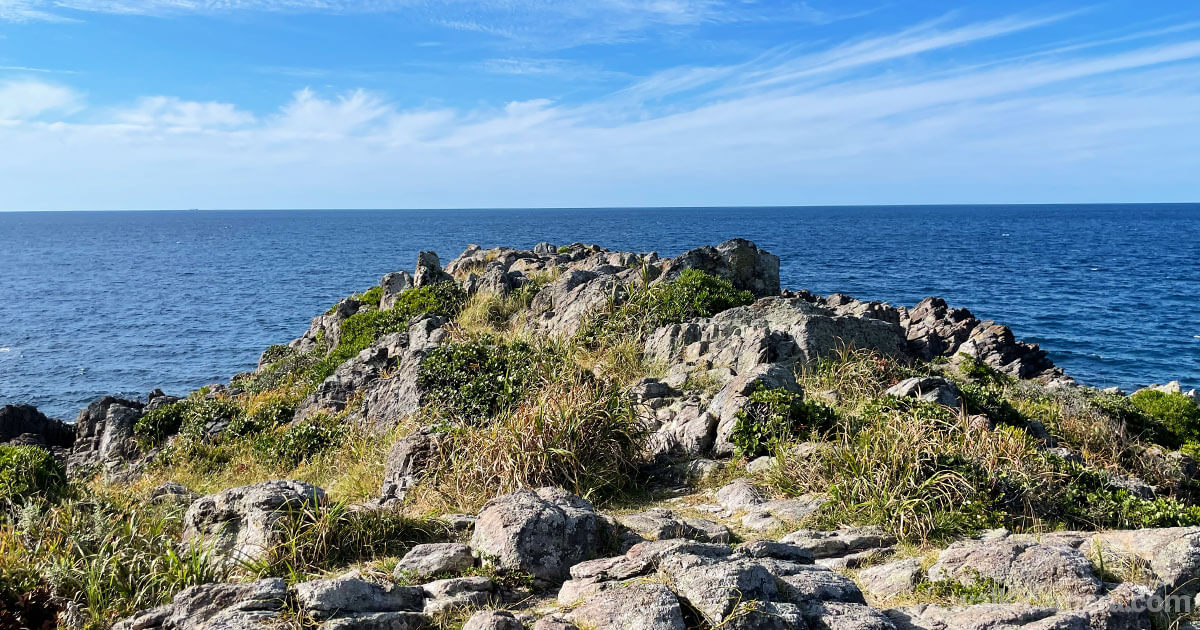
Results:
x,y
142,104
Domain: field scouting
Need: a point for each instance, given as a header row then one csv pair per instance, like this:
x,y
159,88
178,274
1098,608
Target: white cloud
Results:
x,y
29,99
785,128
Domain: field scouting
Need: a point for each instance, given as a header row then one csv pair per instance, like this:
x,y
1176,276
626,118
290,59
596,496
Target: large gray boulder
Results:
x,y
635,604
240,524
663,524
1026,569
392,285
543,532
346,595
493,620
210,606
929,389
1172,554
885,581
435,559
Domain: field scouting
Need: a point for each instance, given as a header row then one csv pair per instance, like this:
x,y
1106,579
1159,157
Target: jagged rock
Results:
x,y
716,589
886,581
809,583
1172,553
407,462
324,331
933,329
1025,568
976,617
390,399
104,436
641,605
734,400
737,260
493,620
561,307
344,595
928,388
332,394
210,606
436,559
30,426
553,622
780,513
239,524
663,524
429,270
392,285
543,532
457,594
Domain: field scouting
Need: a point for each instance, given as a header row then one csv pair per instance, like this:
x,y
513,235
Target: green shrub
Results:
x,y
266,411
371,297
202,414
635,312
774,416
292,445
158,424
277,352
1178,414
27,472
366,327
474,380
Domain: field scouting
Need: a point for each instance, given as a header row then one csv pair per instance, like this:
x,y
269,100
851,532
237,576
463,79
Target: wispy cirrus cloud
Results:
x,y
540,23
876,119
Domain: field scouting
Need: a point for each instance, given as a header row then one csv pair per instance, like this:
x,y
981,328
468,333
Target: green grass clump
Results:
x,y
472,381
637,311
111,554
774,416
26,473
1179,415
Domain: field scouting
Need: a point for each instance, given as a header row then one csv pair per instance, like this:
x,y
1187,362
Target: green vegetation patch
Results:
x,y
635,312
1178,414
473,381
774,416
27,472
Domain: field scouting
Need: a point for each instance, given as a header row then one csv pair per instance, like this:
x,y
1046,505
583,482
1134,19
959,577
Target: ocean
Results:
x,y
97,303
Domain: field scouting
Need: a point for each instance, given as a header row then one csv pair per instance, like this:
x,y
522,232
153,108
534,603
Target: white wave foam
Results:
x,y
5,349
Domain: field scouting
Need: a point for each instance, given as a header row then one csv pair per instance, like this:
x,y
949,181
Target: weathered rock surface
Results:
x,y
211,606
736,260
663,524
104,436
885,581
1026,568
642,605
436,559
407,462
1172,554
543,532
339,596
493,620
239,524
24,424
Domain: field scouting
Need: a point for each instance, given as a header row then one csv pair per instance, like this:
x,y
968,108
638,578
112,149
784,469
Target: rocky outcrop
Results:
x,y
241,524
1027,569
395,394
737,260
210,606
435,559
24,424
429,270
104,436
407,462
934,330
1171,554
542,532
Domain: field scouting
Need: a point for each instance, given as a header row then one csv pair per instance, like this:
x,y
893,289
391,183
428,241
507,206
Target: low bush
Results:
x,y
1177,414
774,416
28,473
291,445
474,380
634,312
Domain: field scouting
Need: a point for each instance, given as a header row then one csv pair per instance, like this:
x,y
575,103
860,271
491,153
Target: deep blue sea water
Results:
x,y
95,303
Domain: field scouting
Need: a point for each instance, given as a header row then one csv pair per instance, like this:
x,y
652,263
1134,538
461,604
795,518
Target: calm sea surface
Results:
x,y
96,303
